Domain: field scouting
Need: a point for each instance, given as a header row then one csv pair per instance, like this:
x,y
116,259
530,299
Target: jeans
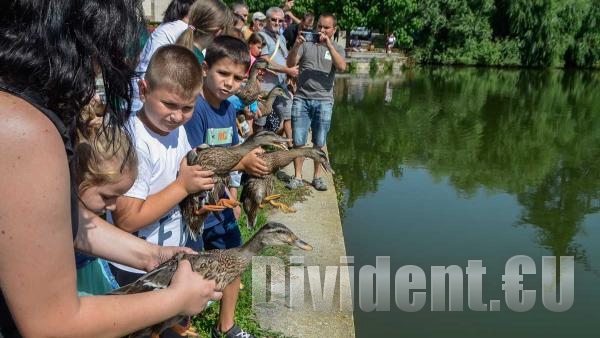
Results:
x,y
314,114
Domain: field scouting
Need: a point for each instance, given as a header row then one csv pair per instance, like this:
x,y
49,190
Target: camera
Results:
x,y
310,36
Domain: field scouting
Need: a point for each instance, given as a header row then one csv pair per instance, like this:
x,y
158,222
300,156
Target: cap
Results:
x,y
258,16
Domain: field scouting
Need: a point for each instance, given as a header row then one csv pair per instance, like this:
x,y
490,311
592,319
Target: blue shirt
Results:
x,y
239,105
215,127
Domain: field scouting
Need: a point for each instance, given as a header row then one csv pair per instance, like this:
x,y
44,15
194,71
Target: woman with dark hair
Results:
x,y
50,53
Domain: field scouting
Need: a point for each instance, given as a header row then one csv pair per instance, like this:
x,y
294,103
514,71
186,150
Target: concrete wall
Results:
x,y
362,61
154,9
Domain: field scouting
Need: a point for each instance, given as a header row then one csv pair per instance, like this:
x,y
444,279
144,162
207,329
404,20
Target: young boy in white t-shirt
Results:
x,y
150,208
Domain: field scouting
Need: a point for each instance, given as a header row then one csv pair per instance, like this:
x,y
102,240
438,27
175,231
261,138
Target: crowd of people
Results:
x,y
70,156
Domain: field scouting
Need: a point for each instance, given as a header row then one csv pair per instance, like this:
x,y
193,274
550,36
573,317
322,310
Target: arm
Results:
x,y
252,164
133,213
37,266
293,17
294,57
100,238
338,60
275,67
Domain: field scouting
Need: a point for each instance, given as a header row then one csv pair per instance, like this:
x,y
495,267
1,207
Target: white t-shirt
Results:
x,y
164,34
158,164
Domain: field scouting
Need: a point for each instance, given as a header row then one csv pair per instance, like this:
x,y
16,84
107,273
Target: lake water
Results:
x,y
446,165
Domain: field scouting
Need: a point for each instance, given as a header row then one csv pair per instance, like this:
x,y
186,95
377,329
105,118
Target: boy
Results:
x,y
213,122
149,209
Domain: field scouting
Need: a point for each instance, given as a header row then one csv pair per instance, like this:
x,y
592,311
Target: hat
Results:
x,y
258,16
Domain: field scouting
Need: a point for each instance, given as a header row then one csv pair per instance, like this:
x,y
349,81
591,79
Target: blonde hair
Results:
x,y
103,152
205,18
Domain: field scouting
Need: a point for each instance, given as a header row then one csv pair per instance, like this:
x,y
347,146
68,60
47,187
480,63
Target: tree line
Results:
x,y
526,33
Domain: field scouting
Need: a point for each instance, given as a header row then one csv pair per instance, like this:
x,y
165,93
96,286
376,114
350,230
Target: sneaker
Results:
x,y
282,176
234,332
294,183
319,184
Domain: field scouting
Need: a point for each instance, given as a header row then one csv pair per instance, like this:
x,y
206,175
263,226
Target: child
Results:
x,y
150,208
255,42
213,122
105,168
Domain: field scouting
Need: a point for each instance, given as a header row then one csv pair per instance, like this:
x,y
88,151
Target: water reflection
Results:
x,y
533,135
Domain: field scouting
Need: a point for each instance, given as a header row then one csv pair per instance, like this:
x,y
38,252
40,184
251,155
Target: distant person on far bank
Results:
x,y
390,42
313,102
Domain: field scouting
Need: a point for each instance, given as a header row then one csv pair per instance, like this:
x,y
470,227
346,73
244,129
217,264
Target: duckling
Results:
x,y
256,191
221,161
250,92
265,100
223,266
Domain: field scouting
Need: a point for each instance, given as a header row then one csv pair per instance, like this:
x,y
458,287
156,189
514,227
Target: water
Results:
x,y
441,166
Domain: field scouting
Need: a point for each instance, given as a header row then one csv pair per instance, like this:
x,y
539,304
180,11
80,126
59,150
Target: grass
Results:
x,y
244,315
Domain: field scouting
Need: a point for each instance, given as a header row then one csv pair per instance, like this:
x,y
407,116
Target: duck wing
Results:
x,y
159,278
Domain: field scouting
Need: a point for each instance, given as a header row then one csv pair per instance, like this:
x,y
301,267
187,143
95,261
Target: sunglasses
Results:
x,y
276,20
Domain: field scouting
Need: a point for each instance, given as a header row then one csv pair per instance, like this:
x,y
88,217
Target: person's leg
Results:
x,y
228,302
300,125
320,124
287,119
226,237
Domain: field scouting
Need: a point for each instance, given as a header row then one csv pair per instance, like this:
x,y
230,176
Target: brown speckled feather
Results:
x,y
221,161
265,104
223,266
255,189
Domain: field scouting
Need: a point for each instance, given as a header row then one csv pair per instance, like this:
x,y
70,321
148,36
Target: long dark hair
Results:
x,y
177,10
56,48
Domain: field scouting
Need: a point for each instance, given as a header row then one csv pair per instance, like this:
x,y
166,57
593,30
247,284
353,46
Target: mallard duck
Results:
x,y
250,92
256,191
221,161
265,100
223,266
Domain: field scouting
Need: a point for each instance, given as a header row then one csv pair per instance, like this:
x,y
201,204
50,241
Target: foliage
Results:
x,y
352,67
538,33
373,66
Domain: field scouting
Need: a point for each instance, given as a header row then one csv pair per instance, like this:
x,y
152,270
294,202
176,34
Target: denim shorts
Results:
x,y
222,236
313,114
283,106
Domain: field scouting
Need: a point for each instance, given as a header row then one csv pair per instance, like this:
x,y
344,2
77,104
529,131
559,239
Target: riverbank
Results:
x,y
317,221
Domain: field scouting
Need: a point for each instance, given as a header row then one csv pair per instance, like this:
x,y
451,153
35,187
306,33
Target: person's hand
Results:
x,y
193,290
293,71
164,253
258,113
194,178
323,38
237,212
299,40
254,165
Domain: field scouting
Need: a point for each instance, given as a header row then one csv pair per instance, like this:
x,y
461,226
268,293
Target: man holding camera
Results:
x,y
318,61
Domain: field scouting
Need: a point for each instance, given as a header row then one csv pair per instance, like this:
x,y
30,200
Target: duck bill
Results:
x,y
302,245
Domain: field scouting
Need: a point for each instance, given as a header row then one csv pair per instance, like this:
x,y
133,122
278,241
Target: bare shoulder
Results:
x,y
24,126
